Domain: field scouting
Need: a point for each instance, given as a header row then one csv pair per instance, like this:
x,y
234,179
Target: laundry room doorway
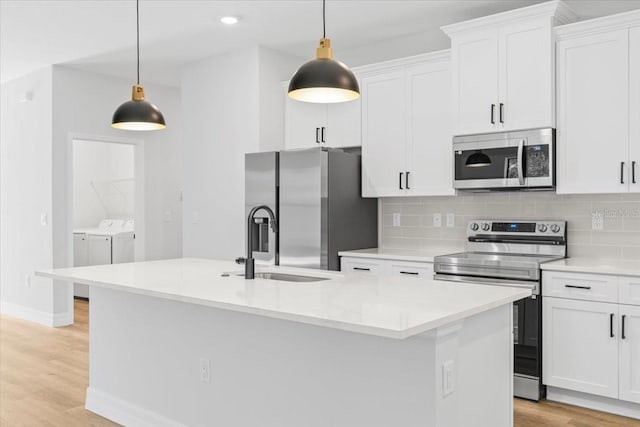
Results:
x,y
107,203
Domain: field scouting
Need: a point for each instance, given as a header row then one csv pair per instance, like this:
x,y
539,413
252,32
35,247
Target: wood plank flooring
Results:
x,y
44,373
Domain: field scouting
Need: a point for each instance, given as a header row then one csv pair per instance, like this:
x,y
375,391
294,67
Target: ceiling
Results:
x,y
99,36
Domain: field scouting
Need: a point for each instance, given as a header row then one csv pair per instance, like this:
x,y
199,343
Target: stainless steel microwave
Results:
x,y
517,160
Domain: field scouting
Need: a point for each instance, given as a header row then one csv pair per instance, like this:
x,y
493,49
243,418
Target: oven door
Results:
x,y
506,160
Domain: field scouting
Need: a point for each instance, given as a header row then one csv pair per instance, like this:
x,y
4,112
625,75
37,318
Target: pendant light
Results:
x,y
477,159
138,114
323,79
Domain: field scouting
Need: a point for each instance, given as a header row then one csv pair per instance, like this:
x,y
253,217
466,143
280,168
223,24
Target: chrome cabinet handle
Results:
x,y
400,181
577,287
520,162
611,325
501,113
493,107
621,172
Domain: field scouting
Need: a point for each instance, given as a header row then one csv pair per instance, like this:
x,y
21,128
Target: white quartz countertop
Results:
x,y
393,307
424,255
591,265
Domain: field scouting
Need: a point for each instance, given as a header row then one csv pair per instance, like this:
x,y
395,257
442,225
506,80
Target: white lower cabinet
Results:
x,y
591,334
386,267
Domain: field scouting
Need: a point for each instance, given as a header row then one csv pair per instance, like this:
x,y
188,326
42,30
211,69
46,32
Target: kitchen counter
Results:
x,y
591,265
425,255
393,307
353,350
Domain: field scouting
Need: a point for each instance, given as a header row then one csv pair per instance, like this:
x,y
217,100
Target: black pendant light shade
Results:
x,y
138,114
323,79
477,159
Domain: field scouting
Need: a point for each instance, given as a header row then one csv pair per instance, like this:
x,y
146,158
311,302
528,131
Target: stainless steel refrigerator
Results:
x,y
316,197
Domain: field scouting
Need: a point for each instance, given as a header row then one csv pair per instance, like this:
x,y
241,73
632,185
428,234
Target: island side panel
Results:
x,y
145,355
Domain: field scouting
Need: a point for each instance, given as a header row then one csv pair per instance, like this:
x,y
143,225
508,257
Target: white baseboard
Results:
x,y
591,401
125,413
42,317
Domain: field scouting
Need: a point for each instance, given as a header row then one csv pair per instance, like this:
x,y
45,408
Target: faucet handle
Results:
x,y
241,260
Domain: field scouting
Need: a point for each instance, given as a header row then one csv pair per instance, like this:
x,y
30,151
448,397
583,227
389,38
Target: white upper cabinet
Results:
x,y
598,81
406,127
328,125
503,69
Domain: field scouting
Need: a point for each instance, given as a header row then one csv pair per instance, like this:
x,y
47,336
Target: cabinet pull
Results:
x,y
413,273
577,287
322,134
361,269
611,325
317,140
407,182
493,107
633,172
501,112
622,336
621,172
400,181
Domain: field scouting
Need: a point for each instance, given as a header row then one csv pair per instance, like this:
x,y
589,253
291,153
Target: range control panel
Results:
x,y
516,227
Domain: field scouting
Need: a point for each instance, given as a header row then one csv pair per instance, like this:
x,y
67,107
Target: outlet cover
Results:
x,y
597,220
448,378
205,370
451,220
396,220
437,220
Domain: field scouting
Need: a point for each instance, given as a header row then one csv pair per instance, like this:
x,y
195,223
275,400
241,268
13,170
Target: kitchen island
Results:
x,y
181,342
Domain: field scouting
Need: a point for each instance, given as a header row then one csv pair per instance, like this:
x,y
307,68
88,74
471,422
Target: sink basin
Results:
x,y
284,277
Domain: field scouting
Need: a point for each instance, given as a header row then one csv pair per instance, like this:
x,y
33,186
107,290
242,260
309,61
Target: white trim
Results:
x,y
619,21
402,63
38,316
559,10
591,401
123,412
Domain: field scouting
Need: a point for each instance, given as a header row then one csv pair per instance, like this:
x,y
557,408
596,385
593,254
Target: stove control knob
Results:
x,y
485,226
474,226
555,228
542,228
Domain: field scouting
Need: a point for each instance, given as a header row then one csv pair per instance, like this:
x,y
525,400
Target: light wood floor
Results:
x,y
44,373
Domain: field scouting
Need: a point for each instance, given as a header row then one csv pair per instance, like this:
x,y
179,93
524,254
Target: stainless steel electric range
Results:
x,y
509,253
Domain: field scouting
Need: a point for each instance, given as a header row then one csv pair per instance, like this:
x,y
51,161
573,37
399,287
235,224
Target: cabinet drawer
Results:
x,y
362,266
412,269
630,290
590,287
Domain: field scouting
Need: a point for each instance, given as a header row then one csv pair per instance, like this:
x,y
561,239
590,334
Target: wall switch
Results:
x,y
437,220
597,220
448,378
168,216
205,370
396,220
27,280
451,220
43,219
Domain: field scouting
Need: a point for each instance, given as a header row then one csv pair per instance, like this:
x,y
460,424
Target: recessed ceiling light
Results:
x,y
229,20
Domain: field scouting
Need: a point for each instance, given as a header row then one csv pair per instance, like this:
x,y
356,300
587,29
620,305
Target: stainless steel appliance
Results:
x,y
509,253
505,161
315,195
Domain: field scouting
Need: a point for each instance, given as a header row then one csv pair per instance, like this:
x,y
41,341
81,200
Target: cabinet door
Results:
x,y
475,81
383,134
630,290
343,128
363,266
303,124
593,113
99,250
634,109
526,77
579,352
79,249
630,354
412,269
429,149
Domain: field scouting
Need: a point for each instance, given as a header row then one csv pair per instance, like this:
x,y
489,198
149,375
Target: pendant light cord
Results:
x,y
138,38
324,30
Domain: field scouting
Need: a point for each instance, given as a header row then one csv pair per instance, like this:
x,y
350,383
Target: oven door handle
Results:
x,y
486,281
521,162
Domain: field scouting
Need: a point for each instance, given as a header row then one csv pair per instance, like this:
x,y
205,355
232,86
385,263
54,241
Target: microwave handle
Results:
x,y
521,161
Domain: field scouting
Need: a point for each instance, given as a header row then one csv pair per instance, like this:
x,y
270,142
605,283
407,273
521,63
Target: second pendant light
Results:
x,y
323,79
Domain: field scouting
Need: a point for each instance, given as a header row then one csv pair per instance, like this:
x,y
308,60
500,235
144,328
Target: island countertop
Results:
x,y
387,306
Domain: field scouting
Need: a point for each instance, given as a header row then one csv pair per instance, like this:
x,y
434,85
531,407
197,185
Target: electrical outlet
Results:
x,y
168,216
451,220
437,220
597,220
205,370
448,378
396,220
43,219
195,217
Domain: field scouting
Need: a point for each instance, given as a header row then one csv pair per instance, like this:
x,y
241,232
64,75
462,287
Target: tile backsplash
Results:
x,y
619,238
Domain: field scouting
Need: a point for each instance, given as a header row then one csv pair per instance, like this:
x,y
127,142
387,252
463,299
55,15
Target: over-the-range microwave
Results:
x,y
520,160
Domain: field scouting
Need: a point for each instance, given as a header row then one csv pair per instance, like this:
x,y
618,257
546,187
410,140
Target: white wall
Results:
x,y
232,105
25,194
102,182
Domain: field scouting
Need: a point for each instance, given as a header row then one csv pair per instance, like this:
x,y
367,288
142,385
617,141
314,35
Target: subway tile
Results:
x,y
400,243
631,197
454,233
421,232
589,197
595,251
631,223
579,223
631,253
619,238
578,237
417,209
392,231
410,221
391,208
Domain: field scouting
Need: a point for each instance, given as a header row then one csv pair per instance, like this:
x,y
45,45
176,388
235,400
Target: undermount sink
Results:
x,y
270,275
